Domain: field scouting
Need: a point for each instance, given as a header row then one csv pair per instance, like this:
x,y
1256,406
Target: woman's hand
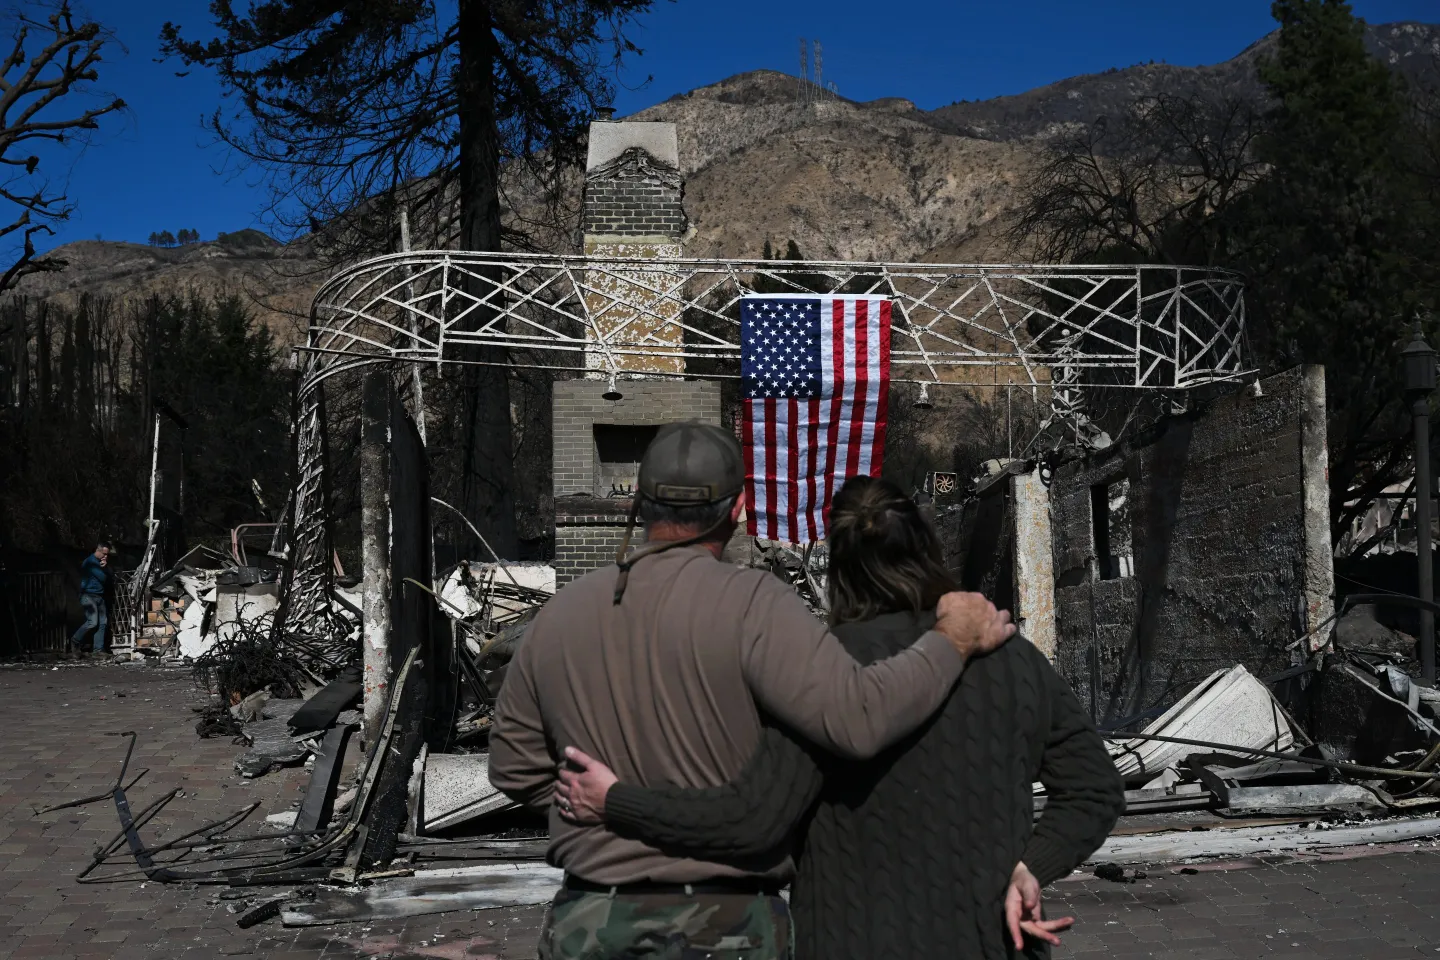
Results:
x,y
584,782
1022,910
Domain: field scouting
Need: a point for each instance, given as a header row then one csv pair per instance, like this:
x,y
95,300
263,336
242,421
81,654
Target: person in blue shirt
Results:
x,y
93,576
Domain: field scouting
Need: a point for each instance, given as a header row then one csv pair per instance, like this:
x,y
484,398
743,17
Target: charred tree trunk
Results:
x,y
67,367
42,356
84,363
488,472
21,340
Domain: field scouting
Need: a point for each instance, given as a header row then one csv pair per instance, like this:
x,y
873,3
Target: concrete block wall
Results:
x,y
1228,516
1005,548
579,405
588,531
588,524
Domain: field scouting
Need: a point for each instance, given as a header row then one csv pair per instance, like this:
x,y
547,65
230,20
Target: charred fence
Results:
x,y
34,615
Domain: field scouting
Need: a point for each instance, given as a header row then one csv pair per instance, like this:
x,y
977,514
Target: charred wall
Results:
x,y
1204,545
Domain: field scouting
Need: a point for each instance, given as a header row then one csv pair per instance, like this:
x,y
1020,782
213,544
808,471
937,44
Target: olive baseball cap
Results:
x,y
691,463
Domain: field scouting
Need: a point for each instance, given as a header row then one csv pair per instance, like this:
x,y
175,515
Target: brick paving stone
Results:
x,y
1377,906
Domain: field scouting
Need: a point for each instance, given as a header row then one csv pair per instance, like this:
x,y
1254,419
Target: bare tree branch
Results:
x,y
31,88
1151,185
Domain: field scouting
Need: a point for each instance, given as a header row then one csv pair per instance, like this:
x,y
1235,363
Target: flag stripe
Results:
x,y
832,374
833,353
846,362
812,440
882,399
859,396
792,478
752,504
772,451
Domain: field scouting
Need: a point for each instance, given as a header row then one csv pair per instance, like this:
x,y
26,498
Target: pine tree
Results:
x,y
1334,230
346,106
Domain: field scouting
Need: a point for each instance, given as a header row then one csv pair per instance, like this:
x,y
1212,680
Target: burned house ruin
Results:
x,y
1171,573
1145,567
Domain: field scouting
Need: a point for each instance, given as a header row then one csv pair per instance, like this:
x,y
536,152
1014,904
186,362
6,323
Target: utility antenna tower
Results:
x,y
803,94
819,68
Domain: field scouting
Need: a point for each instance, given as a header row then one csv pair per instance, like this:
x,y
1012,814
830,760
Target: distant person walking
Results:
x,y
93,577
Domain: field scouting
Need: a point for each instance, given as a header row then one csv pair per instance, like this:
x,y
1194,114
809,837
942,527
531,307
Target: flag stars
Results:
x,y
781,347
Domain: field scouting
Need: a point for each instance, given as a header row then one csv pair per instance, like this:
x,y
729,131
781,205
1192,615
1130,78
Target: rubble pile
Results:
x,y
1340,744
1358,736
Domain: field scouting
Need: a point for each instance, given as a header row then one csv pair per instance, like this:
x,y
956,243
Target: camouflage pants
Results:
x,y
597,926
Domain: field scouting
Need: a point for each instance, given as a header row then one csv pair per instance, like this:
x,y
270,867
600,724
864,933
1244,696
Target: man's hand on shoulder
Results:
x,y
972,624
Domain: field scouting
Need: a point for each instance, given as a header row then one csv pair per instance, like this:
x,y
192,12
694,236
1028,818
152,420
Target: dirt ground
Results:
x,y
58,729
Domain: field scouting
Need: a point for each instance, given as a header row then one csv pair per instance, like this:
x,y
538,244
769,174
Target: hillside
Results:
x,y
845,180
278,280
1412,49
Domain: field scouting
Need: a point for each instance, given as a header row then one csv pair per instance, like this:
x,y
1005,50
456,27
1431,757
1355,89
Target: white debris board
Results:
x,y
1229,707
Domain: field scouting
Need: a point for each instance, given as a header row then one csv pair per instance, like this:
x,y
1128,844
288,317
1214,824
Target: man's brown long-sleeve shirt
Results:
x,y
664,686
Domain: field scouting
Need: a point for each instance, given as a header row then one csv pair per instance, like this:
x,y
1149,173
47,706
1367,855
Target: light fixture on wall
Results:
x,y
612,392
923,402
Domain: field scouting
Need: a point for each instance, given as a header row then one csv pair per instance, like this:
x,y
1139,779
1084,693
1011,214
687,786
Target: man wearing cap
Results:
x,y
659,666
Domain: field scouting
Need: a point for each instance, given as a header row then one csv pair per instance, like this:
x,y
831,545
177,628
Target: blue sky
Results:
x,y
157,168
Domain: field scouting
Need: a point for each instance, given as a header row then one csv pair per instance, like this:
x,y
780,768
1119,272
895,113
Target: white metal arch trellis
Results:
x,y
1145,327
1170,327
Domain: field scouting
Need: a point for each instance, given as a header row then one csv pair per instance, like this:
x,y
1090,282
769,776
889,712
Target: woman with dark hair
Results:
x,y
931,848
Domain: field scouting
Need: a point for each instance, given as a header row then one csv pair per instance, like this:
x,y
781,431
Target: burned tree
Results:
x,y
1317,195
46,96
354,109
1155,185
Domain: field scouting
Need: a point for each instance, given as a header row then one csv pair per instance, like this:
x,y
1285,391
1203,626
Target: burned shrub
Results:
x,y
250,656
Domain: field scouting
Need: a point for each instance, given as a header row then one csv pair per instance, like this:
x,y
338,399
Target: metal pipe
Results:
x,y
1354,769
416,384
1418,368
154,472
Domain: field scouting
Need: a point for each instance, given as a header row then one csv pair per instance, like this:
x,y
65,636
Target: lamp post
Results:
x,y
1419,361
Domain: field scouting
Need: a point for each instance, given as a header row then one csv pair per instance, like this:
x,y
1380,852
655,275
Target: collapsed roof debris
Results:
x,y
1230,705
1225,747
1328,730
1344,735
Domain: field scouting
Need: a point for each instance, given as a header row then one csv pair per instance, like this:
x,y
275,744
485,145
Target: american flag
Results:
x,y
816,378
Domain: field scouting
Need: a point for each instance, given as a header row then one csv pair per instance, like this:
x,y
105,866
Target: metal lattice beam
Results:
x,y
1147,328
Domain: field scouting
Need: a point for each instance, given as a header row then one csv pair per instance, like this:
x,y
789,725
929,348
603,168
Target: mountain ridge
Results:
x,y
848,180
